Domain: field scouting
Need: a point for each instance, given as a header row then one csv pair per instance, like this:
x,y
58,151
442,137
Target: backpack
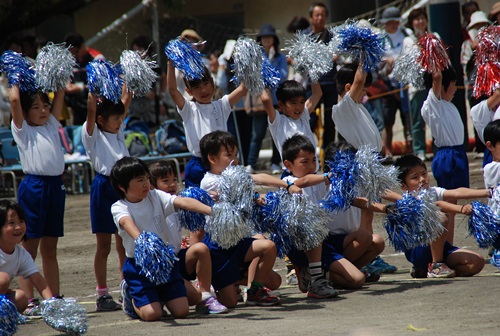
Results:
x,y
137,143
171,138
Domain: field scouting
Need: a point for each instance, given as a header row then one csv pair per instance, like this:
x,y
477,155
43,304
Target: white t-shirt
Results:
x,y
355,124
40,148
201,119
481,115
149,215
104,148
210,182
491,175
19,262
345,222
284,127
444,120
175,232
436,193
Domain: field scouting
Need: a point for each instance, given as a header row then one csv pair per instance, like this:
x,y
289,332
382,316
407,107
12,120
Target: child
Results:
x,y
347,248
450,166
141,208
41,193
491,172
219,150
14,260
103,139
439,259
352,118
294,112
357,127
200,116
195,260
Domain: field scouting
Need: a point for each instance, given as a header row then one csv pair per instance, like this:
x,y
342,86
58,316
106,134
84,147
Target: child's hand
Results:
x,y
214,195
260,199
466,209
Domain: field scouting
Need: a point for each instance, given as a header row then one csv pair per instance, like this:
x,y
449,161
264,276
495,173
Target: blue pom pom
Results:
x,y
484,225
361,43
104,79
9,317
343,175
65,315
270,74
185,58
275,223
155,257
190,220
19,71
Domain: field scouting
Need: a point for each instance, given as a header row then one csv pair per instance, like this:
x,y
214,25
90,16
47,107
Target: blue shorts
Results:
x,y
145,292
228,265
194,172
102,197
43,199
450,167
421,256
182,265
332,249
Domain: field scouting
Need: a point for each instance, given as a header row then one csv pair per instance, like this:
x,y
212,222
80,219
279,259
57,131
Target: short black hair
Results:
x,y
212,143
124,171
74,40
406,163
468,4
346,75
5,206
207,77
449,75
317,4
290,89
106,108
143,42
491,132
161,169
293,145
27,99
332,149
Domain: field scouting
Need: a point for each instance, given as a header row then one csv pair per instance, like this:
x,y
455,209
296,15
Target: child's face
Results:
x,y
13,231
495,150
111,124
138,189
417,179
304,164
168,184
293,108
450,92
223,159
202,92
38,113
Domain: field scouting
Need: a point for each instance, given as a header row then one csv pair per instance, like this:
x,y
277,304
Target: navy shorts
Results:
x,y
43,199
194,172
421,256
145,292
228,265
450,167
182,265
102,197
332,249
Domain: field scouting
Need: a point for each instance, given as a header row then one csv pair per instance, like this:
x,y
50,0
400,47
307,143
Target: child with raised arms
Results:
x,y
104,141
15,260
195,261
200,116
139,209
42,195
439,259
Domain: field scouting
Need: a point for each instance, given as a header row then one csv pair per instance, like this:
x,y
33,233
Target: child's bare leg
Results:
x,y
4,283
31,245
366,220
48,252
437,247
451,228
149,312
121,252
193,295
179,308
265,251
228,296
465,262
101,258
198,259
346,275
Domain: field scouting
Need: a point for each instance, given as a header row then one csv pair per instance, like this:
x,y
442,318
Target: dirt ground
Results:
x,y
396,305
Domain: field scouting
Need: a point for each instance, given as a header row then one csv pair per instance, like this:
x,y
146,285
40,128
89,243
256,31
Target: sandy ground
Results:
x,y
396,305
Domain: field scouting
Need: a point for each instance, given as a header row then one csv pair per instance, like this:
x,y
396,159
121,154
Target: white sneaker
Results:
x,y
275,169
249,169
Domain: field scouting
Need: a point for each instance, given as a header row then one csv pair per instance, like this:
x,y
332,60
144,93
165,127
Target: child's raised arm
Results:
x,y
58,103
126,98
436,83
316,94
358,84
91,113
15,106
176,95
494,100
268,105
237,94
452,195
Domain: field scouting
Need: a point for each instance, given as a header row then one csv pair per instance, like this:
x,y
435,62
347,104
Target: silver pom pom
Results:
x,y
138,72
408,70
432,218
248,64
310,57
65,315
226,225
236,186
54,67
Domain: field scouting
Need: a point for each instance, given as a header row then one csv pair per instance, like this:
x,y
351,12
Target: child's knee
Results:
x,y
199,249
4,282
180,312
150,313
475,265
378,243
273,280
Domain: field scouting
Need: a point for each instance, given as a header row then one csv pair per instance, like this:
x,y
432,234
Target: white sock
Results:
x,y
205,295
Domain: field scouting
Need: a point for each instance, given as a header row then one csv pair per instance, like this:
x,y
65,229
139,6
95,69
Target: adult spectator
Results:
x,y
467,9
318,14
77,90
